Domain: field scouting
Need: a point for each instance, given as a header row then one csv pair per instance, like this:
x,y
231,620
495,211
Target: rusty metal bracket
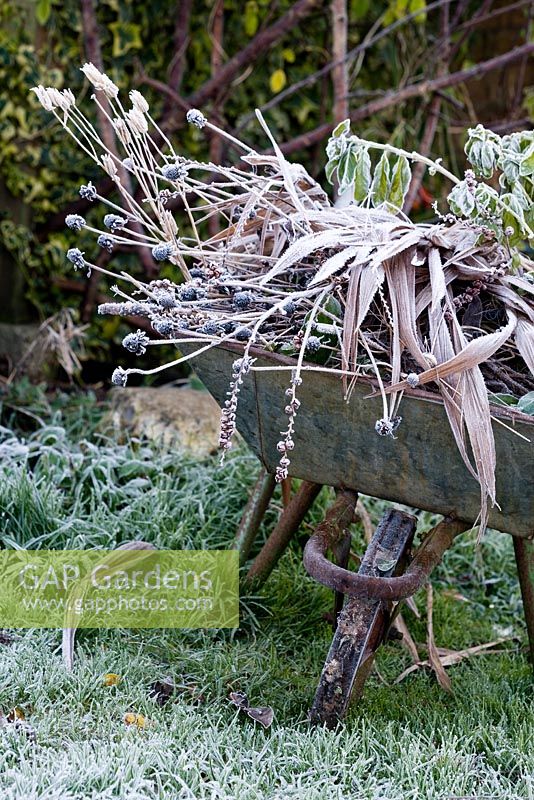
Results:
x,y
378,586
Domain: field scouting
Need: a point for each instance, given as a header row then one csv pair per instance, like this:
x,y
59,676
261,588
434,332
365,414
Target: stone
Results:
x,y
171,417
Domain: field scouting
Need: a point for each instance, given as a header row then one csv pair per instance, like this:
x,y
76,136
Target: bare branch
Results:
x,y
340,78
366,44
180,41
255,49
419,89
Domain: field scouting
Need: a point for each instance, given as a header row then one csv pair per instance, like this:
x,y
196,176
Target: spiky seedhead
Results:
x,y
119,377
243,334
114,222
313,345
161,252
164,299
75,222
136,342
188,293
196,117
75,256
106,242
243,300
88,192
174,172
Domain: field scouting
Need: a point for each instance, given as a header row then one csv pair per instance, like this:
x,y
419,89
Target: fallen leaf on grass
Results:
x,y
433,655
111,679
407,639
262,714
15,721
456,596
449,658
162,691
131,718
15,714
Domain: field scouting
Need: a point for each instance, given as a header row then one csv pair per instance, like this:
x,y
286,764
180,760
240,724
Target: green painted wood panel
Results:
x,y
336,443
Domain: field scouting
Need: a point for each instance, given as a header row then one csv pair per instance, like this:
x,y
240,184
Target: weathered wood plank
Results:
x,y
362,625
336,444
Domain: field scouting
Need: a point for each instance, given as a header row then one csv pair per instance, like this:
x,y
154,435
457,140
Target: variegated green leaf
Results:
x,y
342,129
380,184
401,176
362,176
461,200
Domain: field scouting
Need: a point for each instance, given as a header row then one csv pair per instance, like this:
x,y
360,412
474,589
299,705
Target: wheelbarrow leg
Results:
x,y
362,624
253,514
524,557
289,522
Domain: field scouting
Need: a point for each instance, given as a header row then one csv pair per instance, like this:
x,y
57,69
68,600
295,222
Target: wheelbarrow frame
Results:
x,y
336,445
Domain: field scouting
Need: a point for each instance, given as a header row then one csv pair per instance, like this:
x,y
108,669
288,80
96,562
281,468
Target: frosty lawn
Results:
x,y
59,490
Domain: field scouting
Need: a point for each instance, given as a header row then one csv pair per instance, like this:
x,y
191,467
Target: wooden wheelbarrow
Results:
x,y
336,445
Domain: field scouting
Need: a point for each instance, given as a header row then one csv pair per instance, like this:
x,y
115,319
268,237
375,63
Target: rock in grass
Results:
x,y
181,418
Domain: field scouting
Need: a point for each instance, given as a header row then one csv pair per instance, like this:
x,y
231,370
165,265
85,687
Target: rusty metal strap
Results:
x,y
428,555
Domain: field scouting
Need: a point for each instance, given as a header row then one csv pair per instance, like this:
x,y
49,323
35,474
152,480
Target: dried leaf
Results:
x,y
262,714
15,714
162,691
452,657
111,679
138,720
433,655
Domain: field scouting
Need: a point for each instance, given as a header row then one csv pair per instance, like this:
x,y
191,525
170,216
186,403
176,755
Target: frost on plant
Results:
x,y
358,290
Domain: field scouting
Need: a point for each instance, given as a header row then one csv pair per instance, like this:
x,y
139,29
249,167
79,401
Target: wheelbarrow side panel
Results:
x,y
336,444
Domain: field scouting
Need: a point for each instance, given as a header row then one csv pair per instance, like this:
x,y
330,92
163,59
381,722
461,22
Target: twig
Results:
x,y
340,81
432,118
216,141
413,90
176,68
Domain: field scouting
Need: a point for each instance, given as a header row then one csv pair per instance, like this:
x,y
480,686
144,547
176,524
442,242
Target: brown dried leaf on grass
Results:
x,y
407,639
441,657
262,714
433,655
